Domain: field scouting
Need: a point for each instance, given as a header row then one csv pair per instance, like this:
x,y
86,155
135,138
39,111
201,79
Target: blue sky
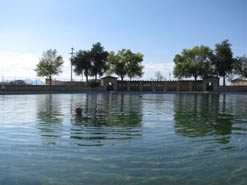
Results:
x,y
159,29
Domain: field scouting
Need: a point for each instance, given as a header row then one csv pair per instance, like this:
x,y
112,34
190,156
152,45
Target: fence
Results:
x,y
38,81
37,85
160,86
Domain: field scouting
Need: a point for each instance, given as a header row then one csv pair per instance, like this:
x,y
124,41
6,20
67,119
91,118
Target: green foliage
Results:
x,y
134,65
98,60
223,60
193,62
240,66
93,84
50,64
117,64
125,63
82,63
91,62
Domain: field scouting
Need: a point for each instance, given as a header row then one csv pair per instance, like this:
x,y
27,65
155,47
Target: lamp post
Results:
x,y
72,53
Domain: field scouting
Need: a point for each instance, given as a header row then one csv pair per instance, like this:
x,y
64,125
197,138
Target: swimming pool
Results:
x,y
123,139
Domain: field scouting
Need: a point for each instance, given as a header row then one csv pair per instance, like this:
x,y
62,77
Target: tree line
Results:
x,y
201,61
198,62
94,63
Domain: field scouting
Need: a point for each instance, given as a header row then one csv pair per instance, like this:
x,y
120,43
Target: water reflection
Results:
x,y
120,116
49,109
111,110
105,117
108,146
204,115
50,118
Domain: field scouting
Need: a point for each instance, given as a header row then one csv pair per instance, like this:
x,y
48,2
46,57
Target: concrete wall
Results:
x,y
232,89
46,89
160,86
142,86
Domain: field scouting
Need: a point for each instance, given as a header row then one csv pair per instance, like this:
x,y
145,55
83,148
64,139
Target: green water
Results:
x,y
134,139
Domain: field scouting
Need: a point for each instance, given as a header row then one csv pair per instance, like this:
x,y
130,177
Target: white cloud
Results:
x,y
15,65
18,65
164,68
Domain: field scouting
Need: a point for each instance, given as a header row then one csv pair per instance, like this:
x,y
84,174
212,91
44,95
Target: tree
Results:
x,y
134,65
179,68
223,61
125,63
240,66
159,76
82,63
117,64
193,62
49,65
99,59
91,62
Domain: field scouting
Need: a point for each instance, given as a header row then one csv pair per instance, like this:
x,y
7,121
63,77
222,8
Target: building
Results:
x,y
240,81
210,83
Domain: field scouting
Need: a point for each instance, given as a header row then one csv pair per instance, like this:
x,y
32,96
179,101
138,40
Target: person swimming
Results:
x,y
78,111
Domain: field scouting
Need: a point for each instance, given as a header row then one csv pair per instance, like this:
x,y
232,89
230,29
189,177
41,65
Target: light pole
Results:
x,y
72,53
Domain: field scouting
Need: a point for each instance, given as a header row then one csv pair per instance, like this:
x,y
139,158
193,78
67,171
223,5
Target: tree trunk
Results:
x,y
224,80
82,76
87,79
50,80
195,78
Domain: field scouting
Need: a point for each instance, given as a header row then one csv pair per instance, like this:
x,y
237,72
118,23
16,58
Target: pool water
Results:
x,y
134,139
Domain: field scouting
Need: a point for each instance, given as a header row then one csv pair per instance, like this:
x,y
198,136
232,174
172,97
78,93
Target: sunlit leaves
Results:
x,y
126,63
50,64
223,60
241,66
193,62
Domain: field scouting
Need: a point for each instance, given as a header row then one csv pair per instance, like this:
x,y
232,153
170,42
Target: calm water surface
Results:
x,y
192,139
